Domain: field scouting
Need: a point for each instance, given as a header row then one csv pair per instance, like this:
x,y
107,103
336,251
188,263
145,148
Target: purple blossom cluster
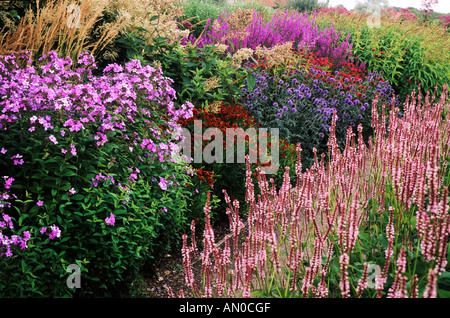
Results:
x,y
78,98
62,98
293,27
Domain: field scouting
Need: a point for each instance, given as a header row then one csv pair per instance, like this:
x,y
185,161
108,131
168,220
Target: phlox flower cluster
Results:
x,y
109,102
63,100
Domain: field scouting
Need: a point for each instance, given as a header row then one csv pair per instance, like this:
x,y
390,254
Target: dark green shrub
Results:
x,y
201,76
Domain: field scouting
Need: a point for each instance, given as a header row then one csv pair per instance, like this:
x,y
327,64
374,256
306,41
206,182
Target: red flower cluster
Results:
x,y
207,176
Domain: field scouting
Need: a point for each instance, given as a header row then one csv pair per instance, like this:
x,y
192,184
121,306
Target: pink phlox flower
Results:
x,y
111,219
56,232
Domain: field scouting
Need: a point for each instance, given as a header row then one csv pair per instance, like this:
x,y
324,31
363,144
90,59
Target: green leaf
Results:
x,y
251,80
78,197
443,293
444,281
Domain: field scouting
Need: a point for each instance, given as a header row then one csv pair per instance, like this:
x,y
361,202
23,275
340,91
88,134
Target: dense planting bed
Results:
x,y
244,151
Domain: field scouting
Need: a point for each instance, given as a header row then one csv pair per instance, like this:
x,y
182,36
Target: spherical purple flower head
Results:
x,y
281,82
360,116
264,97
294,110
275,104
321,135
289,91
289,102
363,108
279,115
294,81
285,108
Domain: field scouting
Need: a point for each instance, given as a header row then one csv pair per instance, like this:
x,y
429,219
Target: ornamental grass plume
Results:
x,y
54,25
299,242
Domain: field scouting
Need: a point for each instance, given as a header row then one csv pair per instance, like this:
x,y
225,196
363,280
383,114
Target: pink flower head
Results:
x,y
8,182
111,219
53,139
162,183
17,160
73,150
40,203
56,232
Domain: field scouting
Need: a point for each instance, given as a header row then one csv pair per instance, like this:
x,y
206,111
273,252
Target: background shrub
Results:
x,y
200,75
406,52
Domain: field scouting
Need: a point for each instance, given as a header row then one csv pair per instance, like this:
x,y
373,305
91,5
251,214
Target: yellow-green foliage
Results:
x,y
407,52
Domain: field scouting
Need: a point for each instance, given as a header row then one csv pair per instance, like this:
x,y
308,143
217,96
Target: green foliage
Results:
x,y
401,59
197,12
148,220
201,75
305,5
